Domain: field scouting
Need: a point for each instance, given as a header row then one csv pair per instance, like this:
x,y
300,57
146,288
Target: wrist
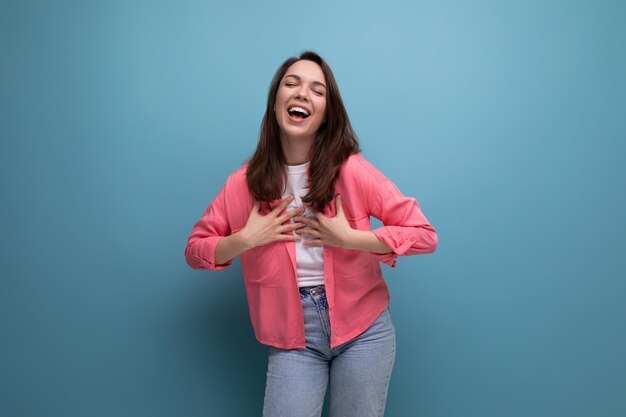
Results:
x,y
354,239
366,240
244,241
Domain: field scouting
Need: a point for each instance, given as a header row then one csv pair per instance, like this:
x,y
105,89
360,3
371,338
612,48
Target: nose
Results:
x,y
301,93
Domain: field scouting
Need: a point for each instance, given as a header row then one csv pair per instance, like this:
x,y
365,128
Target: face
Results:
x,y
301,101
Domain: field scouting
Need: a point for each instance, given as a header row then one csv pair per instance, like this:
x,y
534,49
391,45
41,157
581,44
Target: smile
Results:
x,y
297,113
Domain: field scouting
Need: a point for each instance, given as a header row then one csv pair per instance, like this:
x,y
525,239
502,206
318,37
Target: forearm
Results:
x,y
230,247
366,240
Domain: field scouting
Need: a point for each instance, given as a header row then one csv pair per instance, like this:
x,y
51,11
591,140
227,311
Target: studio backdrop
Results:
x,y
120,122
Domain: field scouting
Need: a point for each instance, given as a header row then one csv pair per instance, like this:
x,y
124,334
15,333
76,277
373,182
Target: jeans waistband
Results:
x,y
313,291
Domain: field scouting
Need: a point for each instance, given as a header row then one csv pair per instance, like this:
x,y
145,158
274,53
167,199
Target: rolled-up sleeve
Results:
x,y
405,228
206,233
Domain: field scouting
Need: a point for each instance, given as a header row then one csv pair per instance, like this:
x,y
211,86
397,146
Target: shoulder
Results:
x,y
237,179
240,173
356,164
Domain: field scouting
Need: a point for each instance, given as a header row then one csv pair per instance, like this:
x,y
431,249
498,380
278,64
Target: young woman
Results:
x,y
298,215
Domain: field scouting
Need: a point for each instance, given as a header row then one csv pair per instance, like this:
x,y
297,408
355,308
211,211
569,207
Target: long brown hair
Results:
x,y
335,142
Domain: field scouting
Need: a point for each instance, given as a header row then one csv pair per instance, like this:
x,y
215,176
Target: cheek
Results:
x,y
279,103
322,106
278,119
323,114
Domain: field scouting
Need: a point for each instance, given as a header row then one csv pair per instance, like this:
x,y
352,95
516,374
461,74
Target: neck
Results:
x,y
296,151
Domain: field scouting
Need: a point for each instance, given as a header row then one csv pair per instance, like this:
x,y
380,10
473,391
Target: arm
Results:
x,y
207,235
366,240
406,230
211,244
230,247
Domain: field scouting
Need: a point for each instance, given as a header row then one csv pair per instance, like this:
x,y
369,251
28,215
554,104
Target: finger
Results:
x,y
283,204
289,214
318,215
310,236
288,237
308,221
309,232
289,227
339,204
315,242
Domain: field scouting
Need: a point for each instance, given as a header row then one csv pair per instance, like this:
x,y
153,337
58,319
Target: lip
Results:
x,y
297,121
304,106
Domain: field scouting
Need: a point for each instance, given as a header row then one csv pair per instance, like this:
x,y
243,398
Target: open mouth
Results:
x,y
298,113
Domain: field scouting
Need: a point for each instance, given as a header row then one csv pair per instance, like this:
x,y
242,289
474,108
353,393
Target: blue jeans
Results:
x,y
358,371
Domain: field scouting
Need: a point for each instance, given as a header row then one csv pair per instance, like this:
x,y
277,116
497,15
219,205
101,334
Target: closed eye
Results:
x,y
319,93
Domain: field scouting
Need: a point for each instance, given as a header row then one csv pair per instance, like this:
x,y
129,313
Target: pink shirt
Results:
x,y
355,288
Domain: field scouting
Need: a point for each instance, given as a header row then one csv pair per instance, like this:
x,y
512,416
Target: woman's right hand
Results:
x,y
260,230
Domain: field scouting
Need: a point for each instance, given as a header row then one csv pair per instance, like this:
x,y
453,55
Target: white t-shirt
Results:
x,y
309,259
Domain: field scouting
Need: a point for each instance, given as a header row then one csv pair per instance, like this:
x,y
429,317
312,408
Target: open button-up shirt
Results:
x,y
355,288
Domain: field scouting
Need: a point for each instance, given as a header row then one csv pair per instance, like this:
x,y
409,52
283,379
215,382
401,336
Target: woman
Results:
x,y
298,215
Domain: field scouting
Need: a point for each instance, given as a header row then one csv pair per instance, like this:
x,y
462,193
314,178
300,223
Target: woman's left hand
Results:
x,y
333,231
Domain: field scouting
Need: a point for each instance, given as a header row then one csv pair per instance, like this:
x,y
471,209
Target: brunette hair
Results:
x,y
335,142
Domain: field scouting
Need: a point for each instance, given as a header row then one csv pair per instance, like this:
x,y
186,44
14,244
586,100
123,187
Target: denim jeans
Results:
x,y
357,371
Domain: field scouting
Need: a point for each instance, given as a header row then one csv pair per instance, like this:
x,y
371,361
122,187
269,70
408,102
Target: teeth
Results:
x,y
300,109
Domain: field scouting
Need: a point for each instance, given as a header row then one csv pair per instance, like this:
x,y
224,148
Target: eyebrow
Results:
x,y
314,82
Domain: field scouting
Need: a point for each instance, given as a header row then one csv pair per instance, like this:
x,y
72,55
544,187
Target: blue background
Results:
x,y
120,121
